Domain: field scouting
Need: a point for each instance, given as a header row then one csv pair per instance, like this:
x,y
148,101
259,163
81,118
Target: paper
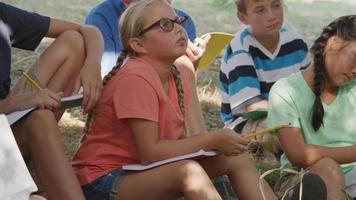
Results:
x,y
15,180
216,44
195,155
66,102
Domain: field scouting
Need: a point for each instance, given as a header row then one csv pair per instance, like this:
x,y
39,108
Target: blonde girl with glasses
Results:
x,y
141,118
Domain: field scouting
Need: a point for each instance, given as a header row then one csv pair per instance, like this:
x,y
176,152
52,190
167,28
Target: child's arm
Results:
x,y
151,148
240,87
195,120
90,77
302,154
41,99
259,104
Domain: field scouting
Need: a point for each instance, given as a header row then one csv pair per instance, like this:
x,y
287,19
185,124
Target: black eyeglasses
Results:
x,y
166,24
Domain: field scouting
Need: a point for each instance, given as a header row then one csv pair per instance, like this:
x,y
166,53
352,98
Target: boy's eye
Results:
x,y
259,11
277,5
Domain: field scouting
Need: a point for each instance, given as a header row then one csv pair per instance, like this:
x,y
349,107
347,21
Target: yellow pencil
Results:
x,y
34,83
264,131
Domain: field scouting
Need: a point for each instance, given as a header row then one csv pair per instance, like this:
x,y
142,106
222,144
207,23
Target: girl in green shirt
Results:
x,y
319,104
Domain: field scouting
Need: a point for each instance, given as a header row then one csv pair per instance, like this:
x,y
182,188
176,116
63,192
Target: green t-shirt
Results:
x,y
291,101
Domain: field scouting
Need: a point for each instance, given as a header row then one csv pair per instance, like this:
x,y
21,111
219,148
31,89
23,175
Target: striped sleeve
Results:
x,y
238,82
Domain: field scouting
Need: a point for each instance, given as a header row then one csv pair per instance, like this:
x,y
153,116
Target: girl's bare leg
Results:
x,y
183,178
242,174
332,175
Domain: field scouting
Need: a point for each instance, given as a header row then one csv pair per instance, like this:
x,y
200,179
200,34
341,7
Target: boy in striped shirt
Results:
x,y
258,56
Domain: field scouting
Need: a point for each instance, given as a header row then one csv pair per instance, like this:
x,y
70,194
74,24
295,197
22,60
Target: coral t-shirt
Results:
x,y
136,91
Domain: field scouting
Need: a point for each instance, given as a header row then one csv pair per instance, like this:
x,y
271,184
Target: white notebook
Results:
x,y
15,180
195,155
66,102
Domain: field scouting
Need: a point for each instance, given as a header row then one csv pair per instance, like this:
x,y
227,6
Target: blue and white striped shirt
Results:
x,y
249,70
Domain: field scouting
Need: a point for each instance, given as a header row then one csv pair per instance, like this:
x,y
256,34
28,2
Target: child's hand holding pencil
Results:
x,y
264,131
43,98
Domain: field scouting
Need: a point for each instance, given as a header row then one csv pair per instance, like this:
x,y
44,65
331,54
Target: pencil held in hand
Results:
x,y
264,131
33,82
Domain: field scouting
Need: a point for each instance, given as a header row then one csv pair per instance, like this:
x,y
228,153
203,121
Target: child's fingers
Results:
x,y
189,53
202,42
206,39
53,95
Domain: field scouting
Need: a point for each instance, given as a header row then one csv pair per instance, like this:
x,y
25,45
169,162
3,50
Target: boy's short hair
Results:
x,y
241,5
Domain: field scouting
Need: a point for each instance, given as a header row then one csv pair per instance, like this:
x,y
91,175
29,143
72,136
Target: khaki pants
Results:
x,y
24,86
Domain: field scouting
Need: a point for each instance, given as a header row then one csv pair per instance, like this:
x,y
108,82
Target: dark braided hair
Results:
x,y
343,27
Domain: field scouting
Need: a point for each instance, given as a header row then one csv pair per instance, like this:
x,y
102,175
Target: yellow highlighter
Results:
x,y
33,82
264,131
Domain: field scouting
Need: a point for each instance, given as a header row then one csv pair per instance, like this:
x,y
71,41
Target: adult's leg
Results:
x,y
169,181
242,174
59,65
332,175
38,134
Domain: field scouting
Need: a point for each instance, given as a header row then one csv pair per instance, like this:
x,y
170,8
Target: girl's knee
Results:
x,y
188,168
327,167
192,175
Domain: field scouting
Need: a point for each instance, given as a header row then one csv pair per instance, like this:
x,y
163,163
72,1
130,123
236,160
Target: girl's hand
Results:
x,y
196,50
230,143
46,99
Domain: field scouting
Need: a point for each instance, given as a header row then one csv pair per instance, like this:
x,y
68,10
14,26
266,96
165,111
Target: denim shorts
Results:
x,y
104,187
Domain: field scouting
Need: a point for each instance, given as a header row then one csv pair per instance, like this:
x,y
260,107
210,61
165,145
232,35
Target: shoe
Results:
x,y
314,188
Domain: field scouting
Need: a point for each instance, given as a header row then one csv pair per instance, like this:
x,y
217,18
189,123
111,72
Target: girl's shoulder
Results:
x,y
290,87
290,82
135,71
136,67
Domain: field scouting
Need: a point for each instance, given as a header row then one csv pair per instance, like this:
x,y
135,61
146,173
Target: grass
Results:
x,y
210,15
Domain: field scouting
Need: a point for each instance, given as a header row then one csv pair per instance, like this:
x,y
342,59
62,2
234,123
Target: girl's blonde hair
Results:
x,y
131,24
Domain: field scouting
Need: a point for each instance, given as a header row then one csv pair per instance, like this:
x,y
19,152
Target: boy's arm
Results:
x,y
259,104
90,77
240,86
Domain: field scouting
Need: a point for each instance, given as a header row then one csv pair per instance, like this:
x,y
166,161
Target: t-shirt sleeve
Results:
x,y
239,84
26,29
135,98
282,109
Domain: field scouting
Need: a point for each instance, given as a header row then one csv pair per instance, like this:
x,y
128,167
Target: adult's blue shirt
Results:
x,y
106,16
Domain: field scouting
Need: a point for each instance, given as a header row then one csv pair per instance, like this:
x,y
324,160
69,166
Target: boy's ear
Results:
x,y
242,17
137,45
